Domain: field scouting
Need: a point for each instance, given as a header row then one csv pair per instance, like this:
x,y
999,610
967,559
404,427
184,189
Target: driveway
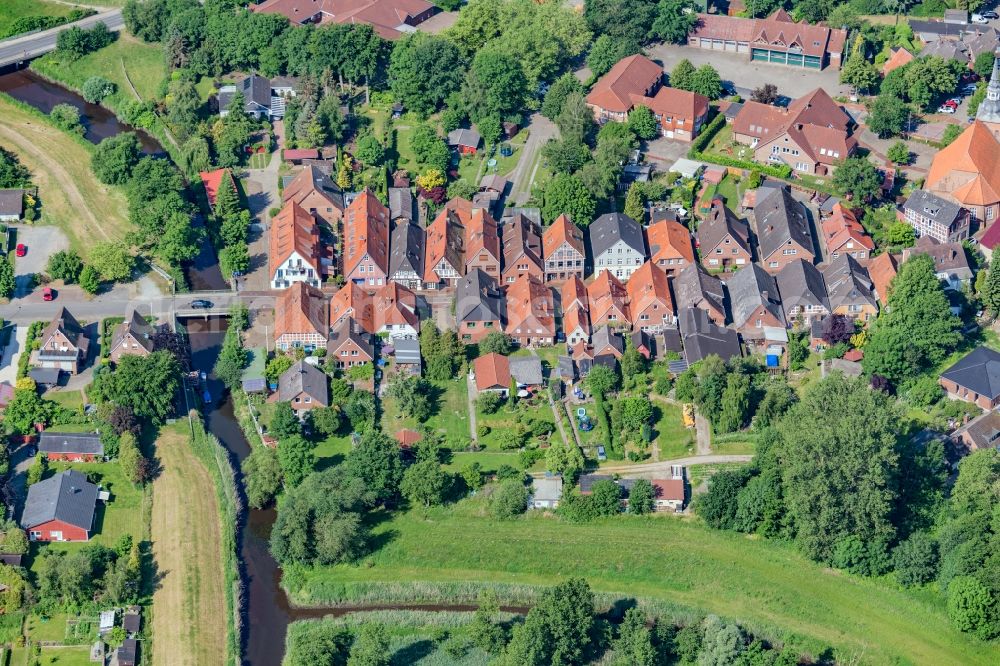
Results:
x,y
11,354
540,130
737,69
261,189
42,243
666,151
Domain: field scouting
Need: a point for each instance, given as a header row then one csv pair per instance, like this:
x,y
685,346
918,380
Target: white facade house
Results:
x,y
618,245
296,268
621,259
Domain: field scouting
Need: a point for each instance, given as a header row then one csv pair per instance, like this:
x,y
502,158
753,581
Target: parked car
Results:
x,y
990,14
955,100
48,294
601,454
968,90
201,304
946,108
979,18
21,250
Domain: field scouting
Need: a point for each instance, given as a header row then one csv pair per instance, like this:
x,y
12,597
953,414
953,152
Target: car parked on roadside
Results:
x,y
947,108
201,304
21,250
48,294
990,14
980,19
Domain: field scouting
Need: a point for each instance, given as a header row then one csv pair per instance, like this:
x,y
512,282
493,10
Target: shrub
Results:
x,y
510,500
96,88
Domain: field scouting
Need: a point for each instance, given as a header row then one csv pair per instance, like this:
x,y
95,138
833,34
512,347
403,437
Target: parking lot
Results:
x,y
41,243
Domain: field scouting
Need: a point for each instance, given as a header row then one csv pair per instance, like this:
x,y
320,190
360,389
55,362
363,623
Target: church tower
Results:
x,y
989,110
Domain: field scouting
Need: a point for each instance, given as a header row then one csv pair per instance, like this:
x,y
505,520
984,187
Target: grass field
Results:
x,y
53,656
672,438
452,415
121,515
11,10
189,612
72,199
762,584
144,63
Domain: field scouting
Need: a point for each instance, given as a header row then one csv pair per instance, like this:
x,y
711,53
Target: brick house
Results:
x,y
975,378
349,345
366,241
650,305
304,387
803,292
608,301
755,301
132,336
444,253
811,136
670,246
71,446
694,287
316,192
680,114
575,306
611,98
64,344
983,432
881,270
294,251
482,243
300,318
783,232
530,312
724,239
390,310
479,306
843,234
391,19
850,289
522,250
492,373
60,508
563,251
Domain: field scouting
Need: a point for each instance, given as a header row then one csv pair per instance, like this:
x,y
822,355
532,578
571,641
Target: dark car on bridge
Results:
x,y
201,304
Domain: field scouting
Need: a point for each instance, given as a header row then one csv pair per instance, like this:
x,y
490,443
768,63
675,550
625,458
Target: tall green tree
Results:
x,y
917,330
425,483
145,384
115,157
424,70
990,293
297,458
674,20
735,403
371,647
375,460
858,179
840,464
566,194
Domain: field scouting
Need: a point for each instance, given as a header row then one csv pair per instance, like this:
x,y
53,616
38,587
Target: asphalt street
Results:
x,y
35,44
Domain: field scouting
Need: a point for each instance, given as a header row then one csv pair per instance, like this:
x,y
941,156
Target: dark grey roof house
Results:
x,y
931,215
803,291
302,381
127,654
950,261
750,289
66,445
703,337
526,370
617,244
11,205
478,298
983,432
67,497
464,138
406,254
401,204
694,287
132,620
256,94
975,377
781,220
849,287
605,338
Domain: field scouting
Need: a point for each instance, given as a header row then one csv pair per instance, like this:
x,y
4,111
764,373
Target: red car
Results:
x,y
48,294
21,250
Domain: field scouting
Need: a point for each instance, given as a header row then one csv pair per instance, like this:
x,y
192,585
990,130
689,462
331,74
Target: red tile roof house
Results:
x,y
462,237
563,251
390,311
975,378
60,508
611,97
670,246
300,318
64,344
776,39
530,313
680,114
296,155
522,250
843,234
575,306
366,241
811,136
492,373
295,250
213,180
669,494
315,191
72,447
649,302
391,19
724,239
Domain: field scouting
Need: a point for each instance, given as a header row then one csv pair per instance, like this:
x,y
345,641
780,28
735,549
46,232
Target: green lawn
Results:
x,y
759,583
730,190
332,450
121,515
144,62
536,410
489,460
451,416
11,10
70,399
673,439
64,656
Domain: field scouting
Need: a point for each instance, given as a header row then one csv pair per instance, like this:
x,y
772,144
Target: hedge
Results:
x,y
698,146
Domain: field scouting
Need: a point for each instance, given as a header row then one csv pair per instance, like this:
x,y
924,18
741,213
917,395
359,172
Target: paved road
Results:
x,y
30,46
23,312
540,130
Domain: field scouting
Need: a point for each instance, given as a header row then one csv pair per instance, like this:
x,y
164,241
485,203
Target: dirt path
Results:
x,y
84,210
189,614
